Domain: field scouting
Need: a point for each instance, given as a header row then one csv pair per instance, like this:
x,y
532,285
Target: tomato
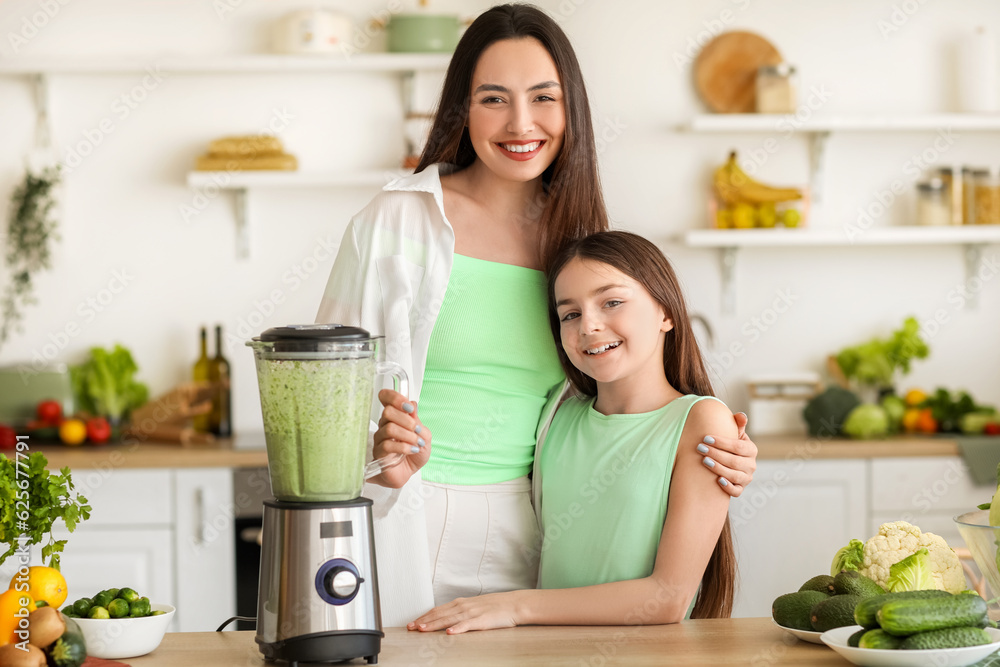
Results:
x,y
73,431
98,430
992,428
8,437
49,411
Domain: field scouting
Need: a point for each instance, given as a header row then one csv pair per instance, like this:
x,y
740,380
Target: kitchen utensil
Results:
x,y
874,657
725,72
981,538
318,595
118,638
312,32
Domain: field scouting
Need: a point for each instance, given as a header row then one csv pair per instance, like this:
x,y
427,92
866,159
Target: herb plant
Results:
x,y
31,500
30,230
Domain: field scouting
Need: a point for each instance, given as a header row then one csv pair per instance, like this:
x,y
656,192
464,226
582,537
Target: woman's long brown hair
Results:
x,y
683,365
573,205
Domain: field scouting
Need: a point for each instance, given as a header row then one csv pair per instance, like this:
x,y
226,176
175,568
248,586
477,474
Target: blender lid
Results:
x,y
315,332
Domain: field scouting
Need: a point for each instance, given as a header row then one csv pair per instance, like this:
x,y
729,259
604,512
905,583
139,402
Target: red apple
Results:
x,y
8,438
98,430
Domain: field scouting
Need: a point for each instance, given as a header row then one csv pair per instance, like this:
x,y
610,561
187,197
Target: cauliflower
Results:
x,y
897,540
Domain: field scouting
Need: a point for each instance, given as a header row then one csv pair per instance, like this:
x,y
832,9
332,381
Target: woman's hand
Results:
x,y
400,431
734,460
483,612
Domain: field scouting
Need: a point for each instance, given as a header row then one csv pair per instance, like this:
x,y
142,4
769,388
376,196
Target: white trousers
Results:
x,y
482,538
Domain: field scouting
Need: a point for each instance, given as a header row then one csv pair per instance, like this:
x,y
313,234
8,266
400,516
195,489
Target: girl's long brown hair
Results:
x,y
572,206
683,365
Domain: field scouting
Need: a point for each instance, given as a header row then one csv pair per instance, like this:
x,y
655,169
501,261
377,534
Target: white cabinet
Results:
x,y
789,524
168,534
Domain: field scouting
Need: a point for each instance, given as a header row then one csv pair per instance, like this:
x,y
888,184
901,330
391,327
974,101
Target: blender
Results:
x,y
318,597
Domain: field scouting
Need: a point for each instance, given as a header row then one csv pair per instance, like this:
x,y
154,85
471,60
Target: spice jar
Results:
x,y
968,183
986,198
933,203
953,188
776,88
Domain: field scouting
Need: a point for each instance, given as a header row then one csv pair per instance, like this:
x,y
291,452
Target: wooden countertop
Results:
x,y
248,452
737,641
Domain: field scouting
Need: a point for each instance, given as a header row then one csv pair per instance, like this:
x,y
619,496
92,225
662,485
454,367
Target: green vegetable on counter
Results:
x,y
51,497
104,384
866,421
895,408
851,557
950,412
875,363
826,412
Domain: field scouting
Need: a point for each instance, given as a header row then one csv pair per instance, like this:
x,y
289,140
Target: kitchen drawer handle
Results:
x,y
251,535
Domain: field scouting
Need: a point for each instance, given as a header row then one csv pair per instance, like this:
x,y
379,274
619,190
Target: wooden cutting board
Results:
x,y
725,72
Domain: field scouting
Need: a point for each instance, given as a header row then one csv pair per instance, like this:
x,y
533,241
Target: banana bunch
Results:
x,y
734,186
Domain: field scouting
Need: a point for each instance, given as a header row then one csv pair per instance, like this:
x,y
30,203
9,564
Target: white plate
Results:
x,y
873,657
810,636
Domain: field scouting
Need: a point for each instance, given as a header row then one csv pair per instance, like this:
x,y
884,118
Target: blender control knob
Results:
x,y
342,582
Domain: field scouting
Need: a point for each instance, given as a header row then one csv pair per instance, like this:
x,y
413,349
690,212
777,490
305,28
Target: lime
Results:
x,y
139,608
118,608
128,594
82,606
98,612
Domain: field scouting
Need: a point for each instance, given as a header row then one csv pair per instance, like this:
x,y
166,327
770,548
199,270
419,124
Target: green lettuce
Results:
x,y
913,573
851,557
104,384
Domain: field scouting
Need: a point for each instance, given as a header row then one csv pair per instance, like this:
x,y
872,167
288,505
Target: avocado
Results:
x,y
834,612
821,583
792,610
850,582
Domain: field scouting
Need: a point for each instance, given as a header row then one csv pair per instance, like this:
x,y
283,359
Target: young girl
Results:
x,y
631,524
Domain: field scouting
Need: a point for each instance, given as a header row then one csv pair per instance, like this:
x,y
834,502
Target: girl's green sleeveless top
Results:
x,y
491,363
605,485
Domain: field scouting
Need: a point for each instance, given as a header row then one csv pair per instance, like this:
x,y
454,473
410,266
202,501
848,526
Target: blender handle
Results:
x,y
401,383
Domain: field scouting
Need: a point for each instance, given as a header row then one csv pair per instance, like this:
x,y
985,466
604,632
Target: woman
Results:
x,y
448,266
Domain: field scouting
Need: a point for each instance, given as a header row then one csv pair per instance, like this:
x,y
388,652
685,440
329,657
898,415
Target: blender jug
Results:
x,y
316,383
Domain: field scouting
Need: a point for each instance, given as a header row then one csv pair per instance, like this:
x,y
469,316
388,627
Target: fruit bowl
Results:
x,y
117,638
983,541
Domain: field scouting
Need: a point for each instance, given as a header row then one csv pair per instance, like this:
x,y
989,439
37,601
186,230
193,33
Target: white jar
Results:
x,y
933,203
313,31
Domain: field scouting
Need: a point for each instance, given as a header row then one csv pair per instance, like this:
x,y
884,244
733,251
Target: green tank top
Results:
x,y
491,363
605,484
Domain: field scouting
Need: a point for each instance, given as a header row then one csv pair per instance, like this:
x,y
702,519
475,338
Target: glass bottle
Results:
x,y
202,373
220,422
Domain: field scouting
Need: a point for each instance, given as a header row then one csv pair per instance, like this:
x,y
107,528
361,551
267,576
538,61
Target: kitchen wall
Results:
x,y
145,260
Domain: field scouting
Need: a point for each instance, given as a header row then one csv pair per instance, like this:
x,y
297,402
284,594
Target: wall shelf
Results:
x,y
728,242
241,182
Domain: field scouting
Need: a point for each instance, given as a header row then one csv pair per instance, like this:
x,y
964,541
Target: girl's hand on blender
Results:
x,y
400,431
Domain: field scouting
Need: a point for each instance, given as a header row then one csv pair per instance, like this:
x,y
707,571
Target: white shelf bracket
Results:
x,y
242,224
973,258
817,159
727,261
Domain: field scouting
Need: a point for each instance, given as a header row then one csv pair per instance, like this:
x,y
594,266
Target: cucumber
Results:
x,y
864,613
908,617
947,638
879,639
855,638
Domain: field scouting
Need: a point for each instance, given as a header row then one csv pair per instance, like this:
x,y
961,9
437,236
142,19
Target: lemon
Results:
x,y
73,431
743,216
915,397
45,584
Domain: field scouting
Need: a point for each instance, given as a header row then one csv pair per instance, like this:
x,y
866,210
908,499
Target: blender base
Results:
x,y
325,647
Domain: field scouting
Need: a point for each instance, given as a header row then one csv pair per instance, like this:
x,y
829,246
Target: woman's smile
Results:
x,y
521,150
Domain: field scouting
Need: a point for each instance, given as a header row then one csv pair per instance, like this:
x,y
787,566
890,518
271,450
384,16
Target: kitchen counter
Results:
x,y
248,451
736,641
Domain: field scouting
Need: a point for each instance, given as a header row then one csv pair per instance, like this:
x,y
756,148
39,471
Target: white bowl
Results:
x,y
117,638
810,636
874,657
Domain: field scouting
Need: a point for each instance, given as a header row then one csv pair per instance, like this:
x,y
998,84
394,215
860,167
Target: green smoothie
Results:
x,y
316,417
